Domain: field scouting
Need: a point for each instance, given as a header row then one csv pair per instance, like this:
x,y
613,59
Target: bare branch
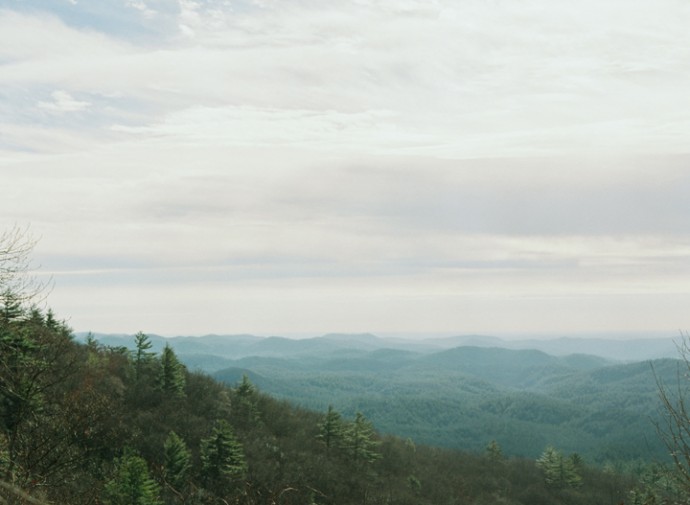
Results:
x,y
675,429
16,247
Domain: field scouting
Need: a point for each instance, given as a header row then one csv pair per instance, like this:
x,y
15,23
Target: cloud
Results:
x,y
493,79
352,165
63,102
142,7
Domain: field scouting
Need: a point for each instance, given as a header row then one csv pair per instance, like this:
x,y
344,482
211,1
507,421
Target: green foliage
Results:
x,y
131,483
559,471
236,445
142,356
494,452
172,378
177,461
523,400
10,307
331,429
222,456
244,408
359,441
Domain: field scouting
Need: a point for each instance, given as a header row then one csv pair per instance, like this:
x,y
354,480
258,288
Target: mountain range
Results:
x,y
596,397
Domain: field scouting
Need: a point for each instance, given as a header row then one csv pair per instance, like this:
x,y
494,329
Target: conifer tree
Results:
x,y
177,461
131,483
142,356
331,429
11,307
494,452
559,471
246,411
246,389
222,456
172,373
359,441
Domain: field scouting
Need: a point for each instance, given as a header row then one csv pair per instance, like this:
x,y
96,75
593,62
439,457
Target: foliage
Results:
x,y
177,461
208,448
599,410
131,483
331,429
559,471
359,442
221,454
171,378
143,356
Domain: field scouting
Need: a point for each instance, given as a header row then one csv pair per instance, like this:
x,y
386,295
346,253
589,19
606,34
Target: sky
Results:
x,y
302,167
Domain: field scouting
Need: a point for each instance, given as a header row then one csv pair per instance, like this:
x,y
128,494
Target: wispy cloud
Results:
x,y
63,102
352,165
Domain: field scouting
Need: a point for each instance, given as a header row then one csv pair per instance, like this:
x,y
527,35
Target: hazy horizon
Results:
x,y
421,336
194,167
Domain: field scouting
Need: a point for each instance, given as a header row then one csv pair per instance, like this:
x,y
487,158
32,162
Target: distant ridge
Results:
x,y
243,345
588,395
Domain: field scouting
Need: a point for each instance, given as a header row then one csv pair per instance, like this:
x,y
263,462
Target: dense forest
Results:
x,y
84,423
458,397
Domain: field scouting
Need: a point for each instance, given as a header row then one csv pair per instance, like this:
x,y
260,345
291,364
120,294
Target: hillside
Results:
x,y
86,423
462,397
457,397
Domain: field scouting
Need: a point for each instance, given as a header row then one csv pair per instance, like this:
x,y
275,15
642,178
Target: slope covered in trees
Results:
x,y
463,397
86,423
458,397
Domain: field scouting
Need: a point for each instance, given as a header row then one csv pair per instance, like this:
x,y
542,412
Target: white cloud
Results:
x,y
142,7
63,102
356,165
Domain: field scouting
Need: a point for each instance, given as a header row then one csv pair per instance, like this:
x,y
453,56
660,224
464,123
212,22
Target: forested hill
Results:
x,y
87,423
458,397
462,397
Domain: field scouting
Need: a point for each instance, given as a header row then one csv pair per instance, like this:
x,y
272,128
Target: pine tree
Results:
x,y
359,442
143,356
131,483
559,471
494,452
246,411
10,306
172,374
331,429
222,455
177,461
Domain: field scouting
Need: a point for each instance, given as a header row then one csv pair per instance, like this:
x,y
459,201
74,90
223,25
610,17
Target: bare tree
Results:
x,y
674,428
16,247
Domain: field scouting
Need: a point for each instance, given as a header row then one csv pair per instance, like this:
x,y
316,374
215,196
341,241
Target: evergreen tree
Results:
x,y
222,456
359,442
131,483
34,361
331,429
142,356
246,411
177,461
494,452
172,373
559,471
10,306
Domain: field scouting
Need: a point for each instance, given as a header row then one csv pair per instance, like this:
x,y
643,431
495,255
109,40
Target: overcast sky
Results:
x,y
393,166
